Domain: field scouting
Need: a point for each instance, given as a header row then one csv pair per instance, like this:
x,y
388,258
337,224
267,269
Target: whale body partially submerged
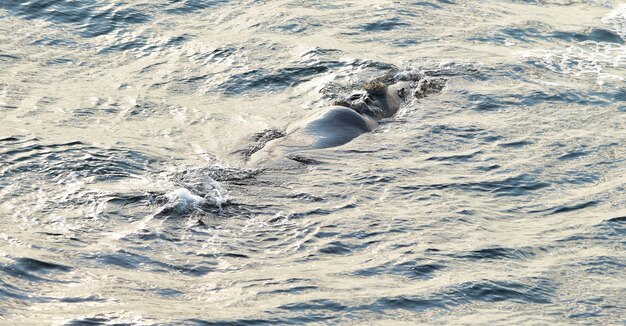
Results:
x,y
340,123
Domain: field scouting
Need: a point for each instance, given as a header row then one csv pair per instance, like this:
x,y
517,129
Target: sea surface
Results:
x,y
124,199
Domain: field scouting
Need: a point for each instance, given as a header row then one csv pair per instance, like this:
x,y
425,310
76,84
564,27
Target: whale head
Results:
x,y
382,97
383,101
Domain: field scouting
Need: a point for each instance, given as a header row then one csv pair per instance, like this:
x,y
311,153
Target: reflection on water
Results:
x,y
126,199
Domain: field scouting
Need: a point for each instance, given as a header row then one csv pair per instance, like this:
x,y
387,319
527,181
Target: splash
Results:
x,y
182,200
198,189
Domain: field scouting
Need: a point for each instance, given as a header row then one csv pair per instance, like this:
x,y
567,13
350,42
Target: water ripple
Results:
x,y
489,201
91,17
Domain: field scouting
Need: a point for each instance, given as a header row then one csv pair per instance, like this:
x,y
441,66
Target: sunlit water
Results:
x,y
499,200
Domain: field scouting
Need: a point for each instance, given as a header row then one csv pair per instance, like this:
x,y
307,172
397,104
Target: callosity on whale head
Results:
x,y
395,96
383,101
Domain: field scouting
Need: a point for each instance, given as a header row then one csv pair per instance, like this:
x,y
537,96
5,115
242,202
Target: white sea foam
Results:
x,y
589,57
182,200
189,189
617,18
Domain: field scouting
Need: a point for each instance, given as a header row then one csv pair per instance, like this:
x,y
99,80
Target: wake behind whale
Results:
x,y
207,189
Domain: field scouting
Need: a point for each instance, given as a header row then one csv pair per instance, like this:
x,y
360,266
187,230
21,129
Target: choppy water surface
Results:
x,y
500,200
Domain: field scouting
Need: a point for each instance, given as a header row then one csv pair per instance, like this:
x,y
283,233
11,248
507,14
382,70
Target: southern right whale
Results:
x,y
342,122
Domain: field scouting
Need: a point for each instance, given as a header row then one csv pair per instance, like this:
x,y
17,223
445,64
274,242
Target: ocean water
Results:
x,y
498,201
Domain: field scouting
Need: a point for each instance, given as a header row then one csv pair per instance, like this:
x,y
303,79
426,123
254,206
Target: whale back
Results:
x,y
334,126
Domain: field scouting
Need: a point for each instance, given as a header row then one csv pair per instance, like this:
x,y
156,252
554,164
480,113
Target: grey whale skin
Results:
x,y
334,126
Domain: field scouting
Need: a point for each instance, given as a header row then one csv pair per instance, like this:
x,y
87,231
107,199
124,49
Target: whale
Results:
x,y
338,124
